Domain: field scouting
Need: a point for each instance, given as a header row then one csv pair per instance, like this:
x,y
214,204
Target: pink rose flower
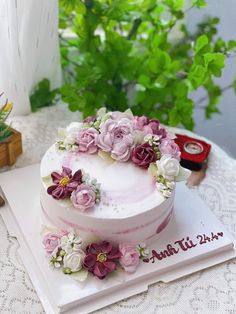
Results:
x,y
169,147
121,150
51,243
84,197
116,137
143,154
87,140
105,139
129,259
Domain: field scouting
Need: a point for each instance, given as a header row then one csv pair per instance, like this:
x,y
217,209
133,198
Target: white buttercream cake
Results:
x,y
107,188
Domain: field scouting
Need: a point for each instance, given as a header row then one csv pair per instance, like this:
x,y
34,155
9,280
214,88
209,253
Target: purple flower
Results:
x,y
87,140
140,122
129,259
101,259
143,154
84,197
169,147
121,150
116,137
161,132
64,183
90,119
149,126
51,242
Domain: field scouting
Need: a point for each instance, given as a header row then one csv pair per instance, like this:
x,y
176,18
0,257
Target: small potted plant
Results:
x,y
10,139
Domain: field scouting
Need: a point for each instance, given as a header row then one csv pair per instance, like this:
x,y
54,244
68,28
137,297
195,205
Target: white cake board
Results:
x,y
60,293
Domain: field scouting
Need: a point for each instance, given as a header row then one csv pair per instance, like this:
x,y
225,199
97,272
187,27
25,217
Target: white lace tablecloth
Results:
x,y
209,291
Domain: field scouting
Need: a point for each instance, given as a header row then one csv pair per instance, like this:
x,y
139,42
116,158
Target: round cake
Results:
x,y
131,209
111,178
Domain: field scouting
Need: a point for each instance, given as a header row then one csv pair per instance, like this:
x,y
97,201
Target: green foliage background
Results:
x,y
121,56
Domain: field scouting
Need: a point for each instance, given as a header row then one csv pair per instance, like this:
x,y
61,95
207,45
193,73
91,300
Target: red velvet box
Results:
x,y
194,152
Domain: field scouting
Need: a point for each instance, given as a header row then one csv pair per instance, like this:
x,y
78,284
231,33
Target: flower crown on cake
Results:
x,y
115,137
122,137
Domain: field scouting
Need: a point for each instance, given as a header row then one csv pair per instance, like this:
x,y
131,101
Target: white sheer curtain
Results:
x,y
28,48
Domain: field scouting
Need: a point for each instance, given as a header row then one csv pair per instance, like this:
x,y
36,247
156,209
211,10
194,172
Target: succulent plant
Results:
x,y
5,130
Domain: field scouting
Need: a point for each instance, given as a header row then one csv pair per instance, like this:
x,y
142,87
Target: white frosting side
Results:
x,y
126,190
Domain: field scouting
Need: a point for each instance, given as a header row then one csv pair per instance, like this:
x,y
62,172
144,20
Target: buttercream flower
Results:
x,y
51,242
154,125
118,115
149,126
168,167
169,147
73,261
84,197
161,132
129,259
142,250
64,183
140,122
116,137
87,140
121,150
143,154
90,119
101,259
71,242
71,132
165,189
56,261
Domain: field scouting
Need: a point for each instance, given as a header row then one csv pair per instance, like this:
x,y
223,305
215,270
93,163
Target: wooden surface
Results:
x,y
10,149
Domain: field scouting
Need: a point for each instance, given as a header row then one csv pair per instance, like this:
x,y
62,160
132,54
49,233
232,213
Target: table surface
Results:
x,y
209,291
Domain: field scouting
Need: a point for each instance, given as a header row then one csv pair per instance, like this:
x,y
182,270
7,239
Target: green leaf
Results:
x,y
215,62
159,61
199,3
231,44
197,75
201,42
42,96
160,82
174,117
144,80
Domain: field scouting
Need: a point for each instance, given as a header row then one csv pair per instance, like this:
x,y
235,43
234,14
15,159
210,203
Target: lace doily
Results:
x,y
209,291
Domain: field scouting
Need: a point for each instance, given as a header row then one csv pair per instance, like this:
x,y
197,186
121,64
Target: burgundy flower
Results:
x,y
143,154
64,183
101,259
161,132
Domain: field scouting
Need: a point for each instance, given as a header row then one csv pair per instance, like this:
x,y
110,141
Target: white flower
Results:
x,y
168,167
69,135
74,127
167,193
170,185
160,186
70,139
73,262
143,250
56,261
71,242
152,139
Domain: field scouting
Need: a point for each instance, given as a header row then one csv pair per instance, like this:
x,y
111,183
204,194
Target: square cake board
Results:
x,y
191,221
